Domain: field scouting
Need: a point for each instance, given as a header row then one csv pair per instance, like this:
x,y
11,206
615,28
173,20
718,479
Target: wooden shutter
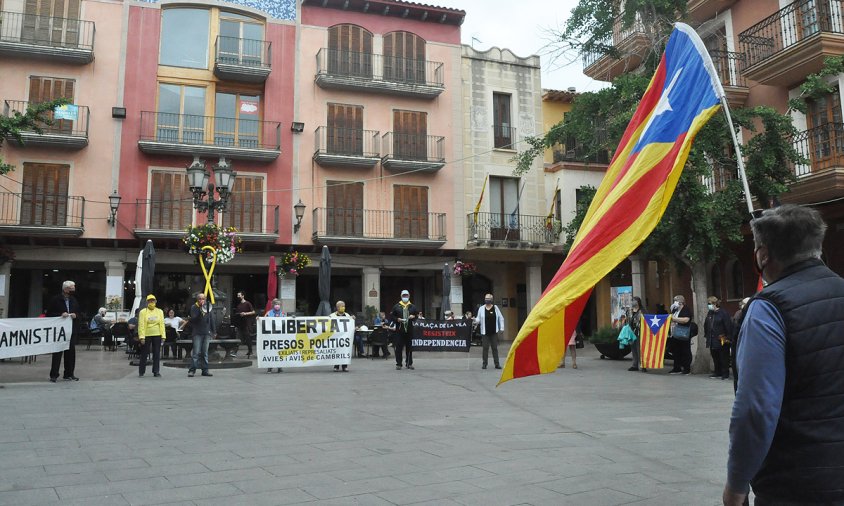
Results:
x,y
404,57
350,51
44,194
45,89
246,205
410,135
345,129
826,130
52,22
410,211
502,127
344,209
171,204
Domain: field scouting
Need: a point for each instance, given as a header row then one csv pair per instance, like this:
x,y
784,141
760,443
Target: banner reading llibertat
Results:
x,y
304,342
21,337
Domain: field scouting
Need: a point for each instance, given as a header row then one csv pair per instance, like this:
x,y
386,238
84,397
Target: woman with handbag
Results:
x,y
681,336
635,322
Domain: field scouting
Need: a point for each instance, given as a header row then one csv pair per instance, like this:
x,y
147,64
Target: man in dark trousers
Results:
x,y
403,314
787,426
245,322
202,327
66,306
491,324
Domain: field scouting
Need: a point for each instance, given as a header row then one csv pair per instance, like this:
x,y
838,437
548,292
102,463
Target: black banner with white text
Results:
x,y
442,335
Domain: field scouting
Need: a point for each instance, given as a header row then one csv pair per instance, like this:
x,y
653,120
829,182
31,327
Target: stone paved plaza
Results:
x,y
442,434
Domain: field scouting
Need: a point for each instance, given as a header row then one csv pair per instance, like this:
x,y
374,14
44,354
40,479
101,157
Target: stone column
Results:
x,y
114,283
5,279
287,289
457,285
637,272
371,288
534,283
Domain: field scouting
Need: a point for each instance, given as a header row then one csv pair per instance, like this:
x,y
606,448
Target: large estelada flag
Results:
x,y
654,335
683,94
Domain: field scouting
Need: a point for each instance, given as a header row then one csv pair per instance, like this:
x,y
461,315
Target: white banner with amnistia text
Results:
x,y
304,341
20,337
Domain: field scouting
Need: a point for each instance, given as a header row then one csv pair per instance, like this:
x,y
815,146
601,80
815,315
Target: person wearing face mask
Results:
x,y
403,315
634,320
203,327
491,323
717,329
151,334
275,312
681,338
786,426
66,306
245,322
340,312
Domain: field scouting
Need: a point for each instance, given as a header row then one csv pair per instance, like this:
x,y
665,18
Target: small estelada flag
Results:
x,y
654,335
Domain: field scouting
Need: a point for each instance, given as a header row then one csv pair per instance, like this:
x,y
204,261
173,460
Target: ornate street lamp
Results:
x,y
200,186
113,204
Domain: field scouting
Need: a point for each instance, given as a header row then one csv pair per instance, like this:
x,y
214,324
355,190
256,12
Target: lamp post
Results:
x,y
200,186
299,210
113,204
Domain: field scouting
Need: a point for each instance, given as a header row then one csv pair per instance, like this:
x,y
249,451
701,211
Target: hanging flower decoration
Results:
x,y
464,268
6,255
293,263
223,239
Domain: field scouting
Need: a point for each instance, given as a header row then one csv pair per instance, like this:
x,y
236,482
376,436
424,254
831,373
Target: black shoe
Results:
x,y
71,378
483,366
140,375
410,366
53,380
714,376
157,375
675,372
345,368
191,373
388,355
499,367
206,373
336,368
686,373
644,370
398,367
633,369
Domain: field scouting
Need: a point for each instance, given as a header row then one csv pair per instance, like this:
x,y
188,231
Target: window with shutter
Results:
x,y
826,130
52,22
44,194
410,212
502,127
344,209
404,57
46,89
171,202
245,210
504,208
350,51
410,135
345,130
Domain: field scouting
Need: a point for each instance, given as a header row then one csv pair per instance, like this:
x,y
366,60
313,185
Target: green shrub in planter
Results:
x,y
605,335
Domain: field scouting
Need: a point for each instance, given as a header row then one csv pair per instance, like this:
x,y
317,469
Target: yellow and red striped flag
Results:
x,y
480,199
654,335
681,97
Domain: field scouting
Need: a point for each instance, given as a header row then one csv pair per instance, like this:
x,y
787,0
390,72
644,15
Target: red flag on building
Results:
x,y
682,96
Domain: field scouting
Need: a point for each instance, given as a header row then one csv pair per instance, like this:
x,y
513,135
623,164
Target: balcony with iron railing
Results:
x,y
412,152
209,136
792,43
821,177
728,66
362,227
46,37
504,137
29,214
350,70
69,128
505,230
631,45
243,60
168,219
346,147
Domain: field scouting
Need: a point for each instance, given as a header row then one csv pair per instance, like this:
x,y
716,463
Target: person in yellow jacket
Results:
x,y
150,334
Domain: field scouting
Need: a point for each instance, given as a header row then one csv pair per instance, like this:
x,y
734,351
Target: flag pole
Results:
x,y
739,158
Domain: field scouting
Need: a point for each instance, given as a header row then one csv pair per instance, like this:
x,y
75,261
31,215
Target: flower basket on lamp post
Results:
x,y
464,269
224,240
293,263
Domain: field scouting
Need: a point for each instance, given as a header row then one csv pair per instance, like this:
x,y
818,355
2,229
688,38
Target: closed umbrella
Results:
x,y
148,273
139,269
324,308
272,284
446,302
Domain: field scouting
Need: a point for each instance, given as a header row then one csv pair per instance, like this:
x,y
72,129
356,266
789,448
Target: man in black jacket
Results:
x,y
66,306
203,327
403,314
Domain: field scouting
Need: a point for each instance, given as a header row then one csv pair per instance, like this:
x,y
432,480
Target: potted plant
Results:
x,y
462,268
370,312
605,340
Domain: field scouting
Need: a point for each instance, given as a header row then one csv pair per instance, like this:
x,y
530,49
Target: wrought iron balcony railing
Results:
x,y
25,33
413,147
68,128
790,25
243,52
41,211
368,224
347,142
169,218
822,147
728,65
512,229
170,133
391,74
504,137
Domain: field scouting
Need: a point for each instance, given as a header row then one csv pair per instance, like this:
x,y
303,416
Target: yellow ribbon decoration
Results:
x,y
209,293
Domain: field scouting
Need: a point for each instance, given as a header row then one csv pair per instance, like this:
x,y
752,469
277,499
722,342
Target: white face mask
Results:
x,y
711,307
405,299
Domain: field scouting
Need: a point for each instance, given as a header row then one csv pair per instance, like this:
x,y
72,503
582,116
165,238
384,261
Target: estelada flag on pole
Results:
x,y
683,94
654,335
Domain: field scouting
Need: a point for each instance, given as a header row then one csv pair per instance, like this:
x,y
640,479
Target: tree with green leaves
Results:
x,y
34,119
707,210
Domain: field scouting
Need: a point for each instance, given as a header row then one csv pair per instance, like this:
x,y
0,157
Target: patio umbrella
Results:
x,y
148,272
446,302
272,284
139,269
324,308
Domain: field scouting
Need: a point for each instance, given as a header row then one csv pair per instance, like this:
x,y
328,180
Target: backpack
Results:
x,y
93,325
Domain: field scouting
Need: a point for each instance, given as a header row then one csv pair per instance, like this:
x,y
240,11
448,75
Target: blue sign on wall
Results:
x,y
278,9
